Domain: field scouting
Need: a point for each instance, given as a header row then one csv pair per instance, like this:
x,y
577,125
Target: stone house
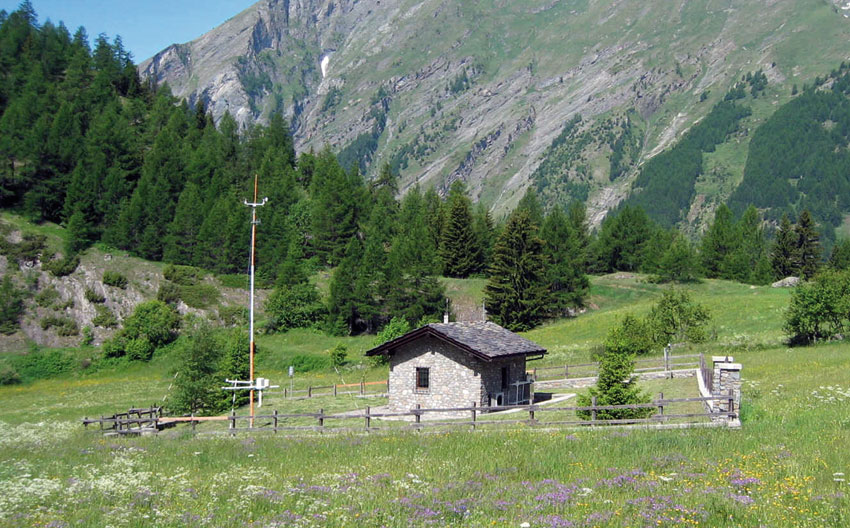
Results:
x,y
449,365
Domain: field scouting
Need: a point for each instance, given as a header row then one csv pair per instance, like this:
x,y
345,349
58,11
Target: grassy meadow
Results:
x,y
782,468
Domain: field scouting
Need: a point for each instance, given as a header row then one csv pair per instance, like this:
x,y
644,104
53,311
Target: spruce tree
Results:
x,y
808,250
515,295
839,259
567,283
459,249
679,263
719,244
783,255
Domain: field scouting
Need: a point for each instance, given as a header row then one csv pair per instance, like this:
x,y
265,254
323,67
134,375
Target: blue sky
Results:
x,y
145,26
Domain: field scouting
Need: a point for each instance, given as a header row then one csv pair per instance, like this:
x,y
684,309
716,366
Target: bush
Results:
x,y
168,293
11,306
296,306
42,364
104,318
65,326
88,337
62,267
616,385
339,354
46,297
819,309
9,376
676,318
183,275
397,327
139,349
94,297
632,336
153,320
233,315
235,280
115,279
29,249
199,295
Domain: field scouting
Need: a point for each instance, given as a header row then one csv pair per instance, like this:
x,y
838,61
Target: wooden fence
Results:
x,y
589,370
473,417
134,421
363,388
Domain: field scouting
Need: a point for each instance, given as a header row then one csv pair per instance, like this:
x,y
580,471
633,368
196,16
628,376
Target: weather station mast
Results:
x,y
261,384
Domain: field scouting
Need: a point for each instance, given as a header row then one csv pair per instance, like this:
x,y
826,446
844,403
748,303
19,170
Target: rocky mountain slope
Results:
x,y
449,89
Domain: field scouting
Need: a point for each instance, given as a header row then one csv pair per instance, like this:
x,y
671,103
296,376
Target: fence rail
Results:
x,y
277,422
364,388
588,370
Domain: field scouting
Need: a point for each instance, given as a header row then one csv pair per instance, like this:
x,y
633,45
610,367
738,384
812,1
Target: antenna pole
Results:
x,y
253,205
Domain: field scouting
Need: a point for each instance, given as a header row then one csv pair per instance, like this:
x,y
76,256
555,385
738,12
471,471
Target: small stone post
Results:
x,y
728,382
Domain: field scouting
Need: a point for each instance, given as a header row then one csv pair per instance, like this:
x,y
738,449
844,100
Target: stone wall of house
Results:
x,y
491,375
457,379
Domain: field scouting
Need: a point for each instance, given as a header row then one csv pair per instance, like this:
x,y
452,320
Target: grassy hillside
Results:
x,y
778,470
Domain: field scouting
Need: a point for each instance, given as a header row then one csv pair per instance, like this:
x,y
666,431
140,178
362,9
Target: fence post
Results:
x,y
660,406
193,423
334,390
418,417
566,371
474,408
233,423
593,410
275,421
531,414
101,423
534,373
310,391
667,359
321,420
368,419
362,388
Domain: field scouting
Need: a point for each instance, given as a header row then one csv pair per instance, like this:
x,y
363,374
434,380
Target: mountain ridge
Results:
x,y
444,90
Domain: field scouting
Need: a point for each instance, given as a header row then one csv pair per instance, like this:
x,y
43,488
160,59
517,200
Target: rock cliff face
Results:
x,y
450,89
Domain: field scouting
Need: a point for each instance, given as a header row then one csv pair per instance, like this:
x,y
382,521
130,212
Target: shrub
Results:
x,y
104,318
115,279
39,364
820,308
296,306
631,335
397,327
11,306
199,295
339,354
183,275
29,249
88,337
62,267
153,320
65,326
240,281
46,297
9,376
168,293
233,315
94,297
139,349
676,318
616,384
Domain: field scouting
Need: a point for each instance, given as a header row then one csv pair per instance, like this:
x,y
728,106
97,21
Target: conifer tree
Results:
x,y
783,256
182,239
459,249
515,295
235,365
482,225
679,262
567,283
719,244
343,305
577,218
753,251
621,241
434,217
335,204
808,250
839,259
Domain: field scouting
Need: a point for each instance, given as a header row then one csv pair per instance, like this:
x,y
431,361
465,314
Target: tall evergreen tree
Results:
x,y
335,205
839,259
719,244
459,249
515,295
567,283
783,255
808,245
621,241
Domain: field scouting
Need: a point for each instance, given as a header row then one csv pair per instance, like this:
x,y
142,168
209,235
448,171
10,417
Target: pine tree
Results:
x,y
719,244
482,225
808,250
197,386
753,251
679,263
459,249
343,314
568,285
783,256
839,259
530,203
335,199
182,239
621,241
235,364
577,218
515,295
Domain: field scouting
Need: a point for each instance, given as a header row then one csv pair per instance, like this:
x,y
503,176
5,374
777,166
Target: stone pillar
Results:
x,y
729,383
716,362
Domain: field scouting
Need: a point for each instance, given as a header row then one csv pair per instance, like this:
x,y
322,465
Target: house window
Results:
x,y
504,377
423,381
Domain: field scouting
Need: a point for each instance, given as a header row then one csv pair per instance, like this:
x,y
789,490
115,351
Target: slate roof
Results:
x,y
484,340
